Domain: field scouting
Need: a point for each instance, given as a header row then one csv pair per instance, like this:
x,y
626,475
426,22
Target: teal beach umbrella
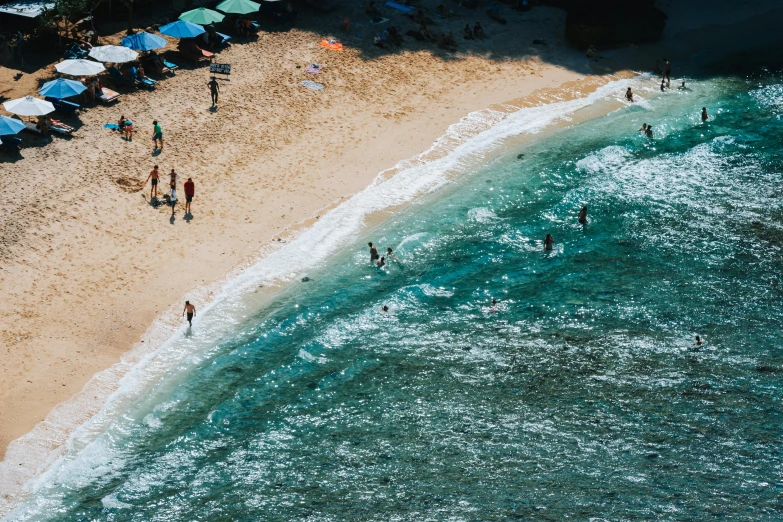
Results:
x,y
238,6
202,16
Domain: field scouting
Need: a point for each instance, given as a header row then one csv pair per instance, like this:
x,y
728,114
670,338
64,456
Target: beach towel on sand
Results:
x,y
314,69
331,44
378,21
312,85
400,7
112,126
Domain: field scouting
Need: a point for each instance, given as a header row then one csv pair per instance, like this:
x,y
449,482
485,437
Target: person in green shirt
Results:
x,y
157,136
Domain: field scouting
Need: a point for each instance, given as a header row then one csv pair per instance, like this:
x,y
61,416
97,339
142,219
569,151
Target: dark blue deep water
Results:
x,y
580,397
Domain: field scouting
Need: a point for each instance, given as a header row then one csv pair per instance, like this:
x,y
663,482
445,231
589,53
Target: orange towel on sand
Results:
x,y
334,46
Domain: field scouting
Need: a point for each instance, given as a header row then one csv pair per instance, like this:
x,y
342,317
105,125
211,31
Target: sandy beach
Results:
x,y
87,264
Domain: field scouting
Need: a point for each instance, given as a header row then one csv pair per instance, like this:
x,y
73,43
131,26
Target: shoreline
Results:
x,y
118,260
104,387
343,171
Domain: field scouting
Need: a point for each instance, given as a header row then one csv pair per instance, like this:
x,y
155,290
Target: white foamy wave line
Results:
x,y
48,453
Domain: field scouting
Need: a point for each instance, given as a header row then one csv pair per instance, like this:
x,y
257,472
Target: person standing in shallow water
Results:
x,y
648,131
629,95
548,242
704,114
583,215
191,311
373,253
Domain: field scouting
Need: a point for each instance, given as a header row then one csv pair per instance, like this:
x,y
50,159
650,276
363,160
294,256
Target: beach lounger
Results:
x,y
400,7
62,105
75,53
170,66
119,79
32,127
108,96
225,39
147,83
10,143
60,128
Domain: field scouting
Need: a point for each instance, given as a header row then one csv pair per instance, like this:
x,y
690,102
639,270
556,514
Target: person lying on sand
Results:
x,y
478,31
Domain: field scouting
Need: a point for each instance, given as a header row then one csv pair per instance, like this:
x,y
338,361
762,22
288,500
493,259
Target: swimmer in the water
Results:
x,y
373,253
384,308
629,95
704,114
389,254
494,306
381,262
643,128
698,341
548,242
648,131
583,215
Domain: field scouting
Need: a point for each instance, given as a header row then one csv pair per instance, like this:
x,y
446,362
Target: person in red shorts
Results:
x,y
190,191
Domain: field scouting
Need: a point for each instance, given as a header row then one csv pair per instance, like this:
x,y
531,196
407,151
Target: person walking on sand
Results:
x,y
629,95
373,253
173,193
191,311
190,191
154,176
583,215
704,114
214,89
548,242
157,136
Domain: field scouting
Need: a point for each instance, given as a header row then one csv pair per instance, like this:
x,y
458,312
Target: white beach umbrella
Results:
x,y
113,53
79,67
29,106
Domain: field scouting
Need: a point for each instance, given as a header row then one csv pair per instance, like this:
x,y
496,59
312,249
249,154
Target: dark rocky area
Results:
x,y
611,23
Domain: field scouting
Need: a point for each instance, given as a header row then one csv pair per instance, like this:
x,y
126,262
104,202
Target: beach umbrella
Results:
x,y
29,106
79,67
181,29
113,54
238,6
62,88
202,16
144,42
10,126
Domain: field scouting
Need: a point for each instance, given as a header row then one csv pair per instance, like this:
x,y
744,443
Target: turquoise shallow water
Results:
x,y
581,397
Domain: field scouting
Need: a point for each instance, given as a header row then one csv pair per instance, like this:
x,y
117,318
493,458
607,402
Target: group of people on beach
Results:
x,y
189,186
125,126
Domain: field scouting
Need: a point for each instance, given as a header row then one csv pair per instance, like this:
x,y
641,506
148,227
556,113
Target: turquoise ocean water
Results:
x,y
581,397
